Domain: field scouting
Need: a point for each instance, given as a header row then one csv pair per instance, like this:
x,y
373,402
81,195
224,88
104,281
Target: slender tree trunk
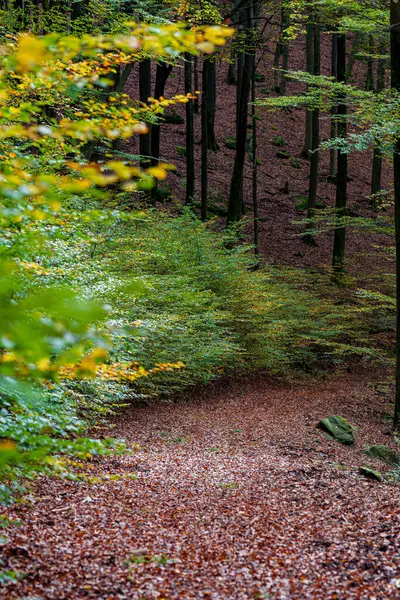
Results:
x,y
144,95
232,68
310,69
246,65
210,74
123,77
163,71
314,158
395,68
196,83
341,179
285,55
189,131
281,50
376,178
352,57
254,158
204,145
333,151
231,77
369,82
235,207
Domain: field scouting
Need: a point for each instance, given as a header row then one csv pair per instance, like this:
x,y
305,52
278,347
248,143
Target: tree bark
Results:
x,y
144,95
189,131
314,158
352,57
163,71
196,82
310,69
281,50
376,178
341,179
333,151
210,77
285,55
245,71
395,73
369,82
254,158
204,148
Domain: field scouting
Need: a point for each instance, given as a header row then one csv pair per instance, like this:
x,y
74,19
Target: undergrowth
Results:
x,y
180,292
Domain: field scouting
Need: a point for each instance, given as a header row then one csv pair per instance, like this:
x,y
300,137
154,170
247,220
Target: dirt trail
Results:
x,y
237,496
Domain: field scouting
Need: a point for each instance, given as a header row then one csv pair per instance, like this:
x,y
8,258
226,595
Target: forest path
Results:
x,y
238,496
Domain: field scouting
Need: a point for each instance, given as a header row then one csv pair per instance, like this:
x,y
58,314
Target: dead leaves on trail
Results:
x,y
237,497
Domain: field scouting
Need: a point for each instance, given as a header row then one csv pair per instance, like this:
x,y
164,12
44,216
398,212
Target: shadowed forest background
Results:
x,y
200,299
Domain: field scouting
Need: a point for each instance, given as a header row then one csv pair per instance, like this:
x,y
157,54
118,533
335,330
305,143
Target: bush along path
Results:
x,y
232,493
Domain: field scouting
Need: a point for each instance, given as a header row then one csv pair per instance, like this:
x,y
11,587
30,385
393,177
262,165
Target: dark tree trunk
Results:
x,y
235,207
395,62
352,57
254,158
245,72
369,82
376,178
144,95
210,80
204,147
341,178
281,50
231,77
314,158
333,152
310,69
123,77
189,131
285,55
196,83
232,69
163,71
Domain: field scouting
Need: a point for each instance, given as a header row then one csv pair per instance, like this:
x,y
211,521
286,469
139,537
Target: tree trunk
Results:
x,y
310,69
281,50
123,77
210,78
314,158
395,72
235,207
341,179
196,83
246,64
204,146
285,55
369,82
144,95
376,178
333,151
352,57
163,71
189,131
254,158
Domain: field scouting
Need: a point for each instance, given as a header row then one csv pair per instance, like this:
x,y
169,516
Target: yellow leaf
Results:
x,y
30,53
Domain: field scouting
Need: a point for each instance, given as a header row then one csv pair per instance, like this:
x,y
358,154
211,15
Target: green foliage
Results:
x,y
278,141
50,338
196,299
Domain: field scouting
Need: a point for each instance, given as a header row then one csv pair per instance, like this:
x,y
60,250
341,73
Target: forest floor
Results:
x,y
237,496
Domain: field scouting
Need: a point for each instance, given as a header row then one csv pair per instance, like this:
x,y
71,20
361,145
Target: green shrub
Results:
x,y
194,300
